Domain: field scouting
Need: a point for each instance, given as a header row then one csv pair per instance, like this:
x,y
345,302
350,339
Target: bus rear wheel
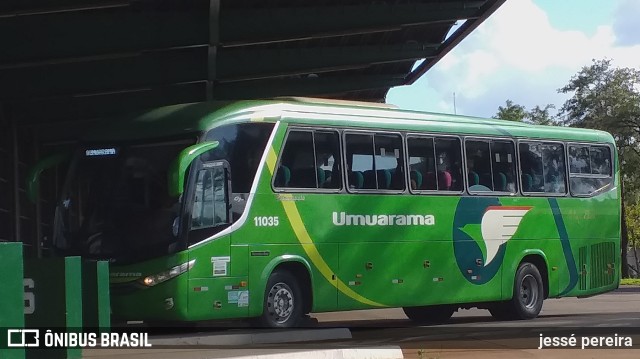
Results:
x,y
528,296
283,306
429,314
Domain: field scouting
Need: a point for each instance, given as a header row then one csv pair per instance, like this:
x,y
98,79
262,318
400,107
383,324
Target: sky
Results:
x,y
525,52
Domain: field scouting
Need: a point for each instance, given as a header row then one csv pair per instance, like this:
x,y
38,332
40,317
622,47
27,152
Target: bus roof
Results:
x,y
194,118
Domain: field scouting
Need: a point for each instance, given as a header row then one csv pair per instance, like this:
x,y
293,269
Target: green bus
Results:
x,y
274,209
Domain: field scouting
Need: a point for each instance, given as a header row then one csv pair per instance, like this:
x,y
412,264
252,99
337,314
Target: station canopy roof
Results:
x,y
68,60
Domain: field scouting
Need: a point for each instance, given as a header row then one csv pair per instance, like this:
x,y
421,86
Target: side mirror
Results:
x,y
178,168
33,178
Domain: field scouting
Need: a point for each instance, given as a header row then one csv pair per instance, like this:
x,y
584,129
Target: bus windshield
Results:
x,y
115,204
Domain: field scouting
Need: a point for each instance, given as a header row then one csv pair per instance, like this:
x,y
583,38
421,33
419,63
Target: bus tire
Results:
x,y
283,306
528,296
429,314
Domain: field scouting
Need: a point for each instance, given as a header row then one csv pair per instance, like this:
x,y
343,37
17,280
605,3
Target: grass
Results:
x,y
630,281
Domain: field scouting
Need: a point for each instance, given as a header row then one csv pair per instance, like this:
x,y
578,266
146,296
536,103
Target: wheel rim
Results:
x,y
280,302
529,291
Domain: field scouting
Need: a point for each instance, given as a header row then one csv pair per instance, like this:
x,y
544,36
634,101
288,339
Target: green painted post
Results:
x,y
95,296
13,297
57,293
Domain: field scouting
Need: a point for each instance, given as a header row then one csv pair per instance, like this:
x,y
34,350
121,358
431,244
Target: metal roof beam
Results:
x,y
105,31
128,29
188,65
21,7
306,86
109,74
68,109
255,63
253,26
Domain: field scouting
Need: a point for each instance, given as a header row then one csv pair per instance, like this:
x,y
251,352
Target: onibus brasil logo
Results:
x,y
25,338
481,228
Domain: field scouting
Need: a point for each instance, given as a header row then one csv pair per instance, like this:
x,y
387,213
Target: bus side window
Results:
x,y
554,168
377,159
422,163
297,164
327,152
359,149
310,159
589,169
479,165
542,167
449,164
503,163
531,167
389,160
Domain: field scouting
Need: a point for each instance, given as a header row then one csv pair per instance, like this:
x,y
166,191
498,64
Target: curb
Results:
x,y
278,337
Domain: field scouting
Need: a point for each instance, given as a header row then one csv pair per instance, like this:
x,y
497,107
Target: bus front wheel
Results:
x,y
528,296
283,307
429,314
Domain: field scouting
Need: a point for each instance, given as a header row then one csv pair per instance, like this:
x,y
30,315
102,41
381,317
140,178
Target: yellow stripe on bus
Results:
x,y
309,247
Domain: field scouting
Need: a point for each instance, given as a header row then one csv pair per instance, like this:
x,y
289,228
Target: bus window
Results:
x,y
579,161
589,169
531,167
310,160
435,163
554,168
389,162
327,151
449,164
422,163
503,164
359,148
600,160
542,168
479,166
297,163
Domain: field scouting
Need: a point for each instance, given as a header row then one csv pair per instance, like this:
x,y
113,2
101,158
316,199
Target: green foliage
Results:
x,y
608,98
536,116
511,112
541,116
632,216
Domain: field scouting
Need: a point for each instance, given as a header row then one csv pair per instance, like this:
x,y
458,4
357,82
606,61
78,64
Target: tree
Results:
x,y
608,99
633,230
541,116
511,112
515,112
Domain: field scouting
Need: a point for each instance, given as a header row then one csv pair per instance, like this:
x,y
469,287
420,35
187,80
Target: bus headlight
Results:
x,y
164,276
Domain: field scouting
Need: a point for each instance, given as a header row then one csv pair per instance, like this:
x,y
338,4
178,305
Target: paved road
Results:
x,y
471,334
616,309
475,334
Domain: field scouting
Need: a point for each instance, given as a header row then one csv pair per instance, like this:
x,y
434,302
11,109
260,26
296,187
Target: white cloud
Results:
x,y
516,54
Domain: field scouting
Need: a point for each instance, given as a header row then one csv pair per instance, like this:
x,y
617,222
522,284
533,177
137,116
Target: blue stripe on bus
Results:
x,y
566,246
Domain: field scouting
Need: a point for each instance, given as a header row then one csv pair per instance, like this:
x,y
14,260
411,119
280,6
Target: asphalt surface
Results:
x,y
470,333
475,334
